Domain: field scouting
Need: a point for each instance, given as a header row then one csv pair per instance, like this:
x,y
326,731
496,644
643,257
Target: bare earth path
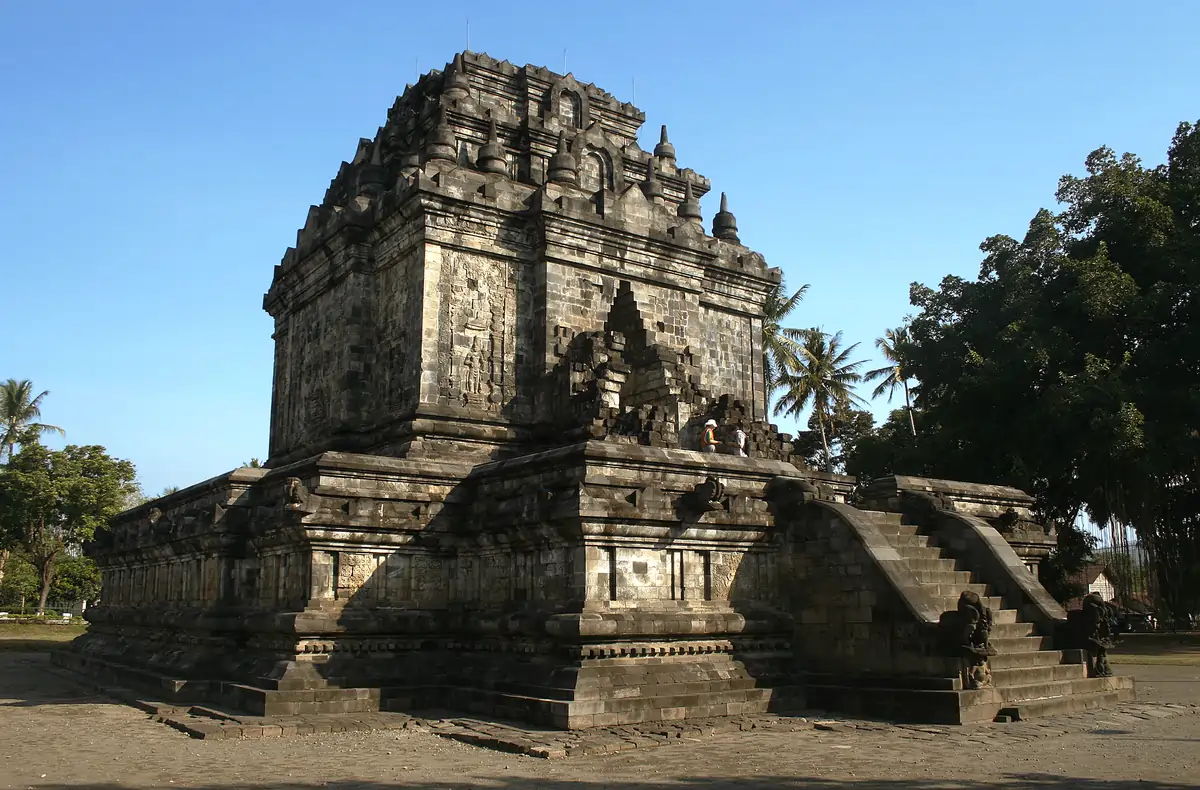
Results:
x,y
55,734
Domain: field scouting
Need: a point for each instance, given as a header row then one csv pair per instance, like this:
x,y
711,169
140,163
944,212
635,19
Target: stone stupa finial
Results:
x,y
724,223
457,86
652,188
563,168
491,154
689,209
664,149
441,143
372,177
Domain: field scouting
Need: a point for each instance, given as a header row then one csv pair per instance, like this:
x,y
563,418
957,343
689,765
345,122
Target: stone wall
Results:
x,y
858,609
426,304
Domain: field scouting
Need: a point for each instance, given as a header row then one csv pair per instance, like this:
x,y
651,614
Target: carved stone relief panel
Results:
x,y
476,343
354,570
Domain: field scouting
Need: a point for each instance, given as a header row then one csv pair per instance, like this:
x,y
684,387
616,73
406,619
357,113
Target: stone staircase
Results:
x,y
1030,677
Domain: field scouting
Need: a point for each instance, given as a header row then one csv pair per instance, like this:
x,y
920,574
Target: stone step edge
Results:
x,y
545,744
1023,710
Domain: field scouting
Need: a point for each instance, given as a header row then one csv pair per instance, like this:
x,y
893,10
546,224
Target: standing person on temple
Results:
x,y
708,439
739,442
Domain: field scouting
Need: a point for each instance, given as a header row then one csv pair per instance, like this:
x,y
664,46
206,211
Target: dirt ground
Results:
x,y
55,734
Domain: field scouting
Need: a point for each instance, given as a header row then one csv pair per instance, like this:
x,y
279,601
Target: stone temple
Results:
x,y
497,341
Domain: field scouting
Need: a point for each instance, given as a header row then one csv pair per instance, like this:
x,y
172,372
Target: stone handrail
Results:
x,y
887,560
986,551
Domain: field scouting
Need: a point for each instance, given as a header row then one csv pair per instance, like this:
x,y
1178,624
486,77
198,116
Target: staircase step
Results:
x,y
903,542
954,590
1011,630
1033,692
1027,659
883,517
1057,706
943,578
1020,644
950,603
919,553
927,563
1028,676
894,531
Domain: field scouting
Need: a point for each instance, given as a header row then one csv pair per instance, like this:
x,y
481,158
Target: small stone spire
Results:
x,y
664,149
372,177
410,162
689,209
491,154
652,188
441,143
563,168
724,223
456,85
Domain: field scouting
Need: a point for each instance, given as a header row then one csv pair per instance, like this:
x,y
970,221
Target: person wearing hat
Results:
x,y
708,439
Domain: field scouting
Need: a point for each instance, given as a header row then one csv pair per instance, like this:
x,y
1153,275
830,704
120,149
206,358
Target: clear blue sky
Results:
x,y
156,159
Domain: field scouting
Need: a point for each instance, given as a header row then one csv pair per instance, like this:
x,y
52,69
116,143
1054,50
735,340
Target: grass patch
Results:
x,y
1181,660
37,637
1165,649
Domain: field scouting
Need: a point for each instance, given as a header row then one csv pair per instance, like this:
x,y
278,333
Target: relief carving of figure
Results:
x,y
976,621
473,362
1097,624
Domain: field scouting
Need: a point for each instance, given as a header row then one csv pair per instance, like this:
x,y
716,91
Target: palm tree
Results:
x,y
892,346
18,411
824,376
781,345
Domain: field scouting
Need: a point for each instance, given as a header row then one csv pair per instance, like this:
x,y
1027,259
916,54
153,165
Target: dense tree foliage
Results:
x,y
824,376
53,501
782,346
76,578
1071,366
845,426
20,411
893,346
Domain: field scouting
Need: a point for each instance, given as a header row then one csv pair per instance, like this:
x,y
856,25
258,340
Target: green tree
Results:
x,y
782,346
890,449
20,582
76,579
824,376
846,428
893,345
19,411
1059,573
52,501
1070,367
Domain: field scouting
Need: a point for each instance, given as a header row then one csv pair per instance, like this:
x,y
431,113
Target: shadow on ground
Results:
x,y
26,681
1032,781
